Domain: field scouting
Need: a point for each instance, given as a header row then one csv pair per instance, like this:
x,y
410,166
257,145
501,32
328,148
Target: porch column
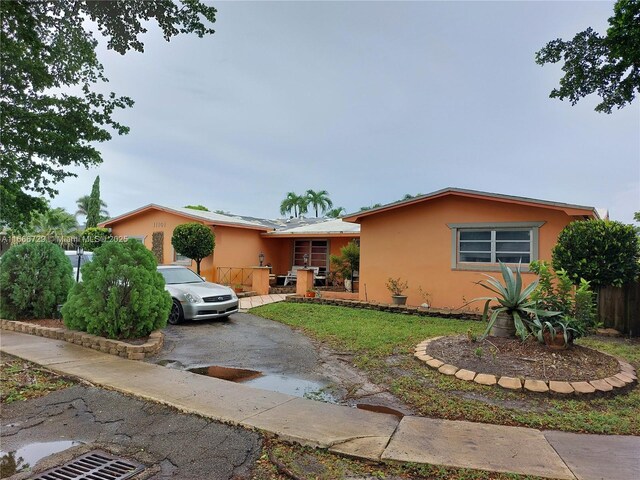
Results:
x,y
304,281
260,280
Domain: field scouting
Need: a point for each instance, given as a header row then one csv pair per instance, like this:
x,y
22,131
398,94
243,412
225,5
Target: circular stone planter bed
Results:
x,y
135,349
528,366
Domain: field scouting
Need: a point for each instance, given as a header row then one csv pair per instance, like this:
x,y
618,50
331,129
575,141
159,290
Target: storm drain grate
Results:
x,y
96,465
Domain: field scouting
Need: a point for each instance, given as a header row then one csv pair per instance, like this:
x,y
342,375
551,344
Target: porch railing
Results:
x,y
235,276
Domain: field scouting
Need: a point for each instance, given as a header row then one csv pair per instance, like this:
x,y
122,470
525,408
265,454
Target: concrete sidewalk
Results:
x,y
343,429
247,303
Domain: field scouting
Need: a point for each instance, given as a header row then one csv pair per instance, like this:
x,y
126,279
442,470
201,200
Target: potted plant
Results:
x,y
310,293
396,286
347,263
512,307
238,288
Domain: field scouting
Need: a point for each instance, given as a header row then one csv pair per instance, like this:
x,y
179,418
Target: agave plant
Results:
x,y
512,299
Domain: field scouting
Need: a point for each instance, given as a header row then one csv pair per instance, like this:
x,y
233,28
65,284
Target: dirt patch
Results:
x,y
530,359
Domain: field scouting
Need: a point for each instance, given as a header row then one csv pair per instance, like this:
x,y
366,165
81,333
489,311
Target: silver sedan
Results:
x,y
194,298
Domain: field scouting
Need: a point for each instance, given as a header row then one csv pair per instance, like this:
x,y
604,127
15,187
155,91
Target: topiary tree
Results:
x,y
194,241
122,294
95,237
600,251
34,279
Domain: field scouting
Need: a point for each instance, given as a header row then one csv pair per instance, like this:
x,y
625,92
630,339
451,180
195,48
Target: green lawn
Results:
x,y
383,345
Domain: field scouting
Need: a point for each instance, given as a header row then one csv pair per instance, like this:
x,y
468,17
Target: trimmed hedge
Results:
x,y
34,279
122,294
600,251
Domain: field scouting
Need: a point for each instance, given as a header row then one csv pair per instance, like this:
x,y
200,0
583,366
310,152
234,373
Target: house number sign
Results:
x,y
159,224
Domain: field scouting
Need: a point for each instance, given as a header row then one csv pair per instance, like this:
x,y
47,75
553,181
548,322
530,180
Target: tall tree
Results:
x,y
83,207
295,203
52,112
336,212
197,207
319,200
607,65
53,221
93,210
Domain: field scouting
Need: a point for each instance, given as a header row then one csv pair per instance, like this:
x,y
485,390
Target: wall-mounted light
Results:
x,y
261,258
305,259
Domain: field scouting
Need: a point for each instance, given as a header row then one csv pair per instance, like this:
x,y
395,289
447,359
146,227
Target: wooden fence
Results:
x,y
619,308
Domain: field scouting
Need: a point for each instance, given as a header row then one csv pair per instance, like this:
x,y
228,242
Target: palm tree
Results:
x,y
293,203
83,207
53,222
319,200
336,212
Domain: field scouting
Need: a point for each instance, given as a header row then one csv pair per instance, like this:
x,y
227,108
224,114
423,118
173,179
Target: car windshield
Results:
x,y
73,258
179,275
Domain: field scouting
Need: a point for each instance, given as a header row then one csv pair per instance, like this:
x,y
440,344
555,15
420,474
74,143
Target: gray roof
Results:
x,y
476,192
334,226
284,224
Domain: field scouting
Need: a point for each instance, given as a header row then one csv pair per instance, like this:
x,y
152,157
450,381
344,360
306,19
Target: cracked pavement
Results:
x,y
171,444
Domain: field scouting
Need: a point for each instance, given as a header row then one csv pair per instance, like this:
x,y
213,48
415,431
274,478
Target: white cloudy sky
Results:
x,y
368,100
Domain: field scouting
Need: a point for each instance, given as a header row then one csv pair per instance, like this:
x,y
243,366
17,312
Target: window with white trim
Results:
x,y
482,245
180,259
493,246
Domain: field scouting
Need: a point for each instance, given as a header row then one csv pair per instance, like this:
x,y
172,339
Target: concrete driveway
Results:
x,y
286,356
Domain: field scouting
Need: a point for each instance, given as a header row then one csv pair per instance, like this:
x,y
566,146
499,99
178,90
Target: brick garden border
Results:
x,y
385,307
626,376
106,345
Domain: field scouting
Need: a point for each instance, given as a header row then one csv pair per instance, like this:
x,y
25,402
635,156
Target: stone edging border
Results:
x,y
385,307
626,376
106,345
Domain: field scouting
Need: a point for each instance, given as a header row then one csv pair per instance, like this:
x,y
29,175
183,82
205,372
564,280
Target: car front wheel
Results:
x,y
176,315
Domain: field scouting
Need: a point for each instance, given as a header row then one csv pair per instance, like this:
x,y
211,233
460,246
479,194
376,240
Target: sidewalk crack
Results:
x,y
268,409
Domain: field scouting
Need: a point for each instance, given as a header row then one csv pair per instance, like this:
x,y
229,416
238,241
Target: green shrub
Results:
x,y
556,292
122,294
600,251
194,241
34,279
95,237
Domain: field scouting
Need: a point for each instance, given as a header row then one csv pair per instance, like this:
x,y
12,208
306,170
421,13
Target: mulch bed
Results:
x,y
530,359
58,323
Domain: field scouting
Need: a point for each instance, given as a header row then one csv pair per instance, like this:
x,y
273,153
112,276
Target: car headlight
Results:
x,y
233,295
192,298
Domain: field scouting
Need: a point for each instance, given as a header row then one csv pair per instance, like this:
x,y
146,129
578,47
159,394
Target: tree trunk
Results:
x,y
198,266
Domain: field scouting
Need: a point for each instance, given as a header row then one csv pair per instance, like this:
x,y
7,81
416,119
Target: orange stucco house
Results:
x,y
239,240
441,243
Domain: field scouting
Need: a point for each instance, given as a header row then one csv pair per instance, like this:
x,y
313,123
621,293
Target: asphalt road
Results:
x,y
171,444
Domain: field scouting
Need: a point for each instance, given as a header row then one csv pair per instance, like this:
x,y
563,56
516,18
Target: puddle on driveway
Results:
x,y
297,387
380,409
29,455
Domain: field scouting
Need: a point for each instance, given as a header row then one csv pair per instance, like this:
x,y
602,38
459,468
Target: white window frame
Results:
x,y
180,259
456,228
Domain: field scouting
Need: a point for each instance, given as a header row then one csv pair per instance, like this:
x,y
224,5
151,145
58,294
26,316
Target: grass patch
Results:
x,y
284,461
21,380
383,345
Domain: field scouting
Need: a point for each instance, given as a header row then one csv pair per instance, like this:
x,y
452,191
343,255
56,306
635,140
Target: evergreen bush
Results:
x,y
600,251
34,279
122,294
95,237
